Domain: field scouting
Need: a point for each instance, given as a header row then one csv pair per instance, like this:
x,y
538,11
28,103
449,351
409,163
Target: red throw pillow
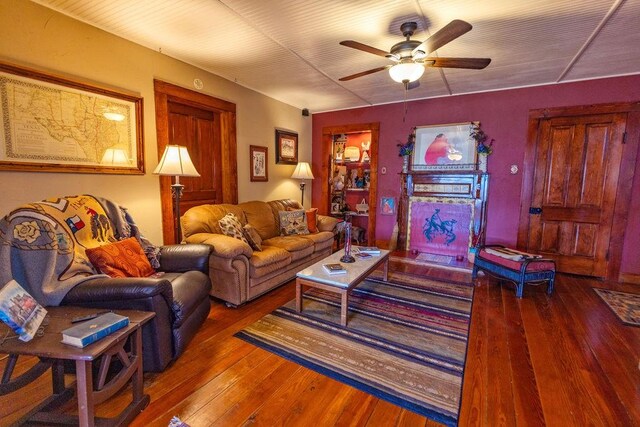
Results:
x,y
124,258
312,220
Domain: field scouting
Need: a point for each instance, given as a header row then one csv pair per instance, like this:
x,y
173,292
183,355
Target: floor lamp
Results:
x,y
302,172
176,162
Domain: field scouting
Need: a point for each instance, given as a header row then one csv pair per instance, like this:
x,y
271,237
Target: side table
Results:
x,y
52,354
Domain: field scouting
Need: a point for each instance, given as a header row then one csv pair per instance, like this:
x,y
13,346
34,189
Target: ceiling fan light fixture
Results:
x,y
406,72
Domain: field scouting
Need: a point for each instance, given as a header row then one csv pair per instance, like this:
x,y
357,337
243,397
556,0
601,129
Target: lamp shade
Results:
x,y
176,162
303,171
406,71
115,157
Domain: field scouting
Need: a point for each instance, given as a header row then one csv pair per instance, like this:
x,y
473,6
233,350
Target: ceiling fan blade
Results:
x,y
364,47
449,32
472,63
364,73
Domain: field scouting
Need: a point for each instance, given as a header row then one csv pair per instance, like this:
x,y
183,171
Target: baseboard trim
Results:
x,y
630,278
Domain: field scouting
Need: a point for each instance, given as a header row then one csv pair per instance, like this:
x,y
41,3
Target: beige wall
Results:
x,y
36,37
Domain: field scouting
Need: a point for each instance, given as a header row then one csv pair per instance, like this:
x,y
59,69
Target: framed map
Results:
x,y
53,124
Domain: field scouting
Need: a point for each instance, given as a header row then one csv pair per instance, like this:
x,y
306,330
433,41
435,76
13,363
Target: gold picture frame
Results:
x,y
445,147
56,124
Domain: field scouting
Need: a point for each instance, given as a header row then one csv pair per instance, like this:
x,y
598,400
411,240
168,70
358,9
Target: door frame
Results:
x,y
223,111
625,180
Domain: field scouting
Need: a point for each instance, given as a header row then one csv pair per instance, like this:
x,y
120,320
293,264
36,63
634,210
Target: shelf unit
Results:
x,y
344,148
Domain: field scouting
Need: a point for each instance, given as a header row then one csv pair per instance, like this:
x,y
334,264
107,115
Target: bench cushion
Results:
x,y
516,265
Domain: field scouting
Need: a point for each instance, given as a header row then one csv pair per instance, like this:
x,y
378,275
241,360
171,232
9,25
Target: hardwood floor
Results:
x,y
563,360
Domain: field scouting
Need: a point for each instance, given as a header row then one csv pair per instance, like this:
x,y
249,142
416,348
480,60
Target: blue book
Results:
x,y
92,330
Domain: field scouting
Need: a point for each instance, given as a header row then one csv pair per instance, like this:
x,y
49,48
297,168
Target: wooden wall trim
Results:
x,y
629,278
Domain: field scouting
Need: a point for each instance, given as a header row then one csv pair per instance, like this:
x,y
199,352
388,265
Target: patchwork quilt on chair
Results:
x,y
42,245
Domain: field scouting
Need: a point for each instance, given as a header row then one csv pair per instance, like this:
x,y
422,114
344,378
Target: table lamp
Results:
x,y
176,162
302,172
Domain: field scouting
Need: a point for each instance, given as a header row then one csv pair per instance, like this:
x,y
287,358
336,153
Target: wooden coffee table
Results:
x,y
315,276
52,354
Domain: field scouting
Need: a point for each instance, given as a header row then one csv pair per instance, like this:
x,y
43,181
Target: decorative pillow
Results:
x,y
230,226
252,236
312,220
124,258
293,222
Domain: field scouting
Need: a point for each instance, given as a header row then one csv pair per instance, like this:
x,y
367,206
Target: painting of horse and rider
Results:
x,y
440,228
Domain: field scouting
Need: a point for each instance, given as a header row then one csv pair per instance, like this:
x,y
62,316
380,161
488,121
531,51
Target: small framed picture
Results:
x,y
286,147
259,160
388,205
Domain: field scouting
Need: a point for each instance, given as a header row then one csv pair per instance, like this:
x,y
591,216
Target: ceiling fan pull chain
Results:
x,y
406,89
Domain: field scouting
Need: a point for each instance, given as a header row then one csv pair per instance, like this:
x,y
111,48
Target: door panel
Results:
x,y
575,180
196,129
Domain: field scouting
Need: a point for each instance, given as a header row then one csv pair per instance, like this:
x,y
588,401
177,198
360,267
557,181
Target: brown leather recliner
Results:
x,y
180,300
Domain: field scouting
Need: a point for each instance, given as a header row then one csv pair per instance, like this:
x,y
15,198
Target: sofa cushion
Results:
x,y
321,240
293,222
297,246
124,258
268,260
231,227
252,236
259,215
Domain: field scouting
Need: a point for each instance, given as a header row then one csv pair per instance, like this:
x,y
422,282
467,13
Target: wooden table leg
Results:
x,y
137,380
385,273
344,307
298,296
84,383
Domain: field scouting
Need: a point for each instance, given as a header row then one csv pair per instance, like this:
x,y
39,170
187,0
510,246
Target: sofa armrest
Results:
x,y
119,289
182,258
223,246
327,223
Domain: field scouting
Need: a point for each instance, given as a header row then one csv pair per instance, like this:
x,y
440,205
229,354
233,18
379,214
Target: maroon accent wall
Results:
x,y
504,116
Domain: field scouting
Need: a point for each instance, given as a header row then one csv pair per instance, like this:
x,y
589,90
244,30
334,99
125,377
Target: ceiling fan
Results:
x,y
411,56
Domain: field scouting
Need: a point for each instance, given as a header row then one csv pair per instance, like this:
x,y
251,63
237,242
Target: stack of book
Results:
x,y
334,268
93,330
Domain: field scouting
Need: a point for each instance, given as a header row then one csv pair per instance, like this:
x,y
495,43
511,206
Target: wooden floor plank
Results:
x,y
528,408
501,405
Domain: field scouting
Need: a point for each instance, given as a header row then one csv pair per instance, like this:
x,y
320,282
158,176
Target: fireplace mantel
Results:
x,y
455,187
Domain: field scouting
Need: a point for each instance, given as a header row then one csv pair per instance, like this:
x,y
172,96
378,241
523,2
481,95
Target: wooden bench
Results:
x,y
525,271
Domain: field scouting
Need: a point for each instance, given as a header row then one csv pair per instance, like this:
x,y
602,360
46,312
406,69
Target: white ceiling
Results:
x,y
289,49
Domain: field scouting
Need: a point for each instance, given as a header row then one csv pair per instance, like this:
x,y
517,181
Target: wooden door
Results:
x,y
207,127
198,130
575,183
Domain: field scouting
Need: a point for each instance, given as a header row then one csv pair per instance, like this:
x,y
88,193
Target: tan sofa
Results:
x,y
238,273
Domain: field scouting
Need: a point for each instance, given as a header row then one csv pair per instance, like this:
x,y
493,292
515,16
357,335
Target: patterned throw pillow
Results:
x,y
252,236
124,258
231,227
293,222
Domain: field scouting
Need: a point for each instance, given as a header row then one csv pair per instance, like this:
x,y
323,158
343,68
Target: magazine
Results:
x,y
20,310
371,250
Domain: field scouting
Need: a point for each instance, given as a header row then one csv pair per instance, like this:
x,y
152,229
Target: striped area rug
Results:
x,y
405,341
